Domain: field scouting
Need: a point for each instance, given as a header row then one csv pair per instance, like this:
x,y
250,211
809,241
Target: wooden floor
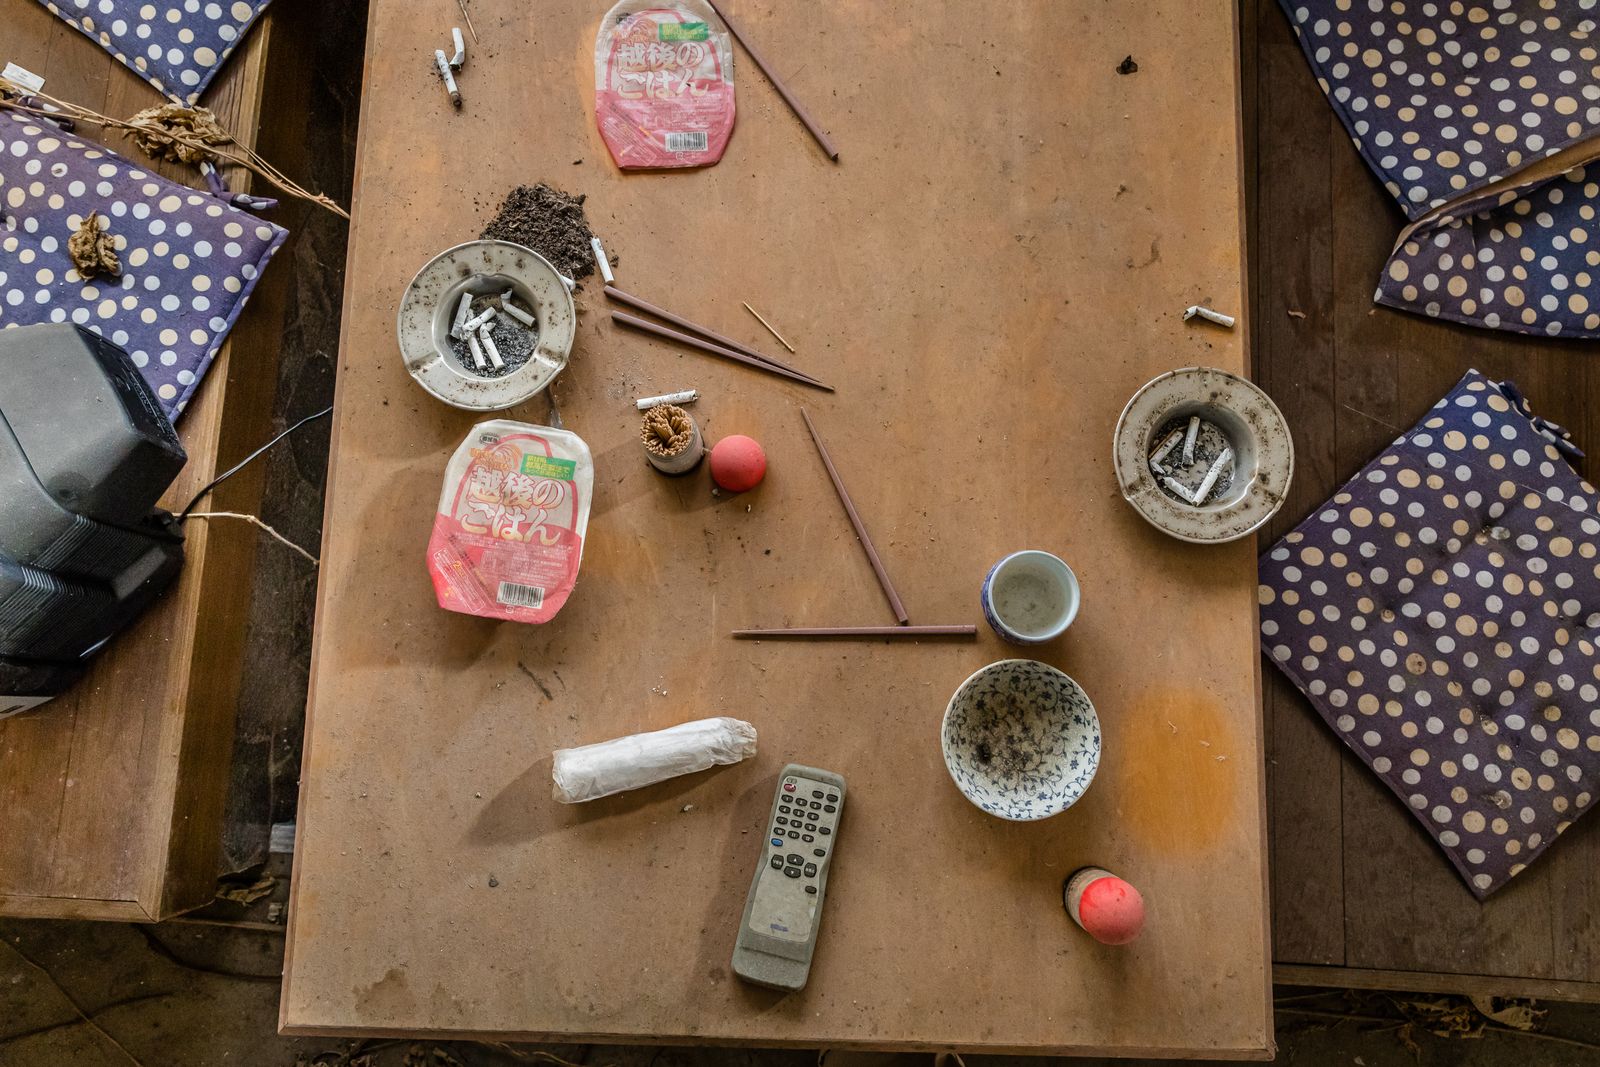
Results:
x,y
1356,884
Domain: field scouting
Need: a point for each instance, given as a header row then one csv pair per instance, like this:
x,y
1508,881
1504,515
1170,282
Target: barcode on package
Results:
x,y
686,142
520,596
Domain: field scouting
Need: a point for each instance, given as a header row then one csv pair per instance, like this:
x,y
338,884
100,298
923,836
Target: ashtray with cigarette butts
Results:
x,y
486,325
1203,455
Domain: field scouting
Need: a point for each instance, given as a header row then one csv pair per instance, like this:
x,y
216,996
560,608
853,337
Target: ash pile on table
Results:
x,y
550,222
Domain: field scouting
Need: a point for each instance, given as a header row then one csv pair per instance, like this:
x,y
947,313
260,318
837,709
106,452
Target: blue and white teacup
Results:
x,y
1030,597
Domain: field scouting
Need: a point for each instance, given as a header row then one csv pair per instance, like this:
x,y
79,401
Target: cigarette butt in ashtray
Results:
x,y
1107,908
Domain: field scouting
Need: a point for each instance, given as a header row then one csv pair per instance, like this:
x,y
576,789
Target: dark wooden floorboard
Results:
x,y
1355,880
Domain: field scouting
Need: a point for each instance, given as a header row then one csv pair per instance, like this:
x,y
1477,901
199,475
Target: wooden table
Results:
x,y
999,261
113,794
1362,896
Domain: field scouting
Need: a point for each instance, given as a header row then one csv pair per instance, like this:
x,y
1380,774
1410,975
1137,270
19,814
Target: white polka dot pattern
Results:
x,y
180,288
1446,96
1525,261
1441,612
176,45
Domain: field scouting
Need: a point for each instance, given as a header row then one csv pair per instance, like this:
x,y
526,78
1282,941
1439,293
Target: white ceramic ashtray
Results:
x,y
1203,455
529,335
1021,740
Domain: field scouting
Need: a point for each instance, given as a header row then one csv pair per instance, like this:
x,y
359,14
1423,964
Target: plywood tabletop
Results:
x,y
1000,259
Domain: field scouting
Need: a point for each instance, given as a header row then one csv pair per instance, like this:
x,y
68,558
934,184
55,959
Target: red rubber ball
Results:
x,y
737,463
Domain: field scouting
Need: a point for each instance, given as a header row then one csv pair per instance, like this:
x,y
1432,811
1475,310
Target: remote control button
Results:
x,y
833,798
794,835
793,860
788,787
811,889
817,793
811,870
824,831
777,863
815,806
783,809
792,872
807,838
829,808
777,842
817,852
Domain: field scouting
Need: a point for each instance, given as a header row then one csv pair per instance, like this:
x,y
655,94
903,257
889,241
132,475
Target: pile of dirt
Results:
x,y
550,222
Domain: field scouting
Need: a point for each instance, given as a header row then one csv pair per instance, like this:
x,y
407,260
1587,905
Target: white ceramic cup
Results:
x,y
1030,597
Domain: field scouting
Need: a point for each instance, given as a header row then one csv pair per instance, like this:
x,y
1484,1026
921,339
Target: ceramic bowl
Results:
x,y
1021,740
1255,430
1030,597
484,268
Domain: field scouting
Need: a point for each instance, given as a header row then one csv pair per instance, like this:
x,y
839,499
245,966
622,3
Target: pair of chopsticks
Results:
x,y
905,629
708,341
777,83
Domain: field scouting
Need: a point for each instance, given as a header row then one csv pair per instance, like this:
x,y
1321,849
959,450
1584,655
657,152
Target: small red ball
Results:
x,y
1111,910
737,463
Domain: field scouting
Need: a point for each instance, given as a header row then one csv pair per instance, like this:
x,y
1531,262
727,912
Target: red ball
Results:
x,y
737,463
1111,910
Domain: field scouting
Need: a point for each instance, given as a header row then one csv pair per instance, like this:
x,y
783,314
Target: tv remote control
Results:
x,y
778,934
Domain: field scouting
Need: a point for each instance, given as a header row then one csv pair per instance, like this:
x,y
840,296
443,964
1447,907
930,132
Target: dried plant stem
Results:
x,y
253,521
233,152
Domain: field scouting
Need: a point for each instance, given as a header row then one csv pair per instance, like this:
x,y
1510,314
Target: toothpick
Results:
x,y
468,16
768,325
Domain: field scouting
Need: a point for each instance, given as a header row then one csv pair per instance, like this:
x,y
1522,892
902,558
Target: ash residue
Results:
x,y
1208,445
550,222
515,342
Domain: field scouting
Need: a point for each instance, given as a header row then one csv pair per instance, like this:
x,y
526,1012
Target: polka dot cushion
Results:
x,y
1523,262
189,260
1441,614
176,45
1446,96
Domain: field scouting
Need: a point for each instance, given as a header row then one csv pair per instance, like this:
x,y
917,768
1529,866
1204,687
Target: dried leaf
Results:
x,y
1517,1014
248,894
160,127
93,250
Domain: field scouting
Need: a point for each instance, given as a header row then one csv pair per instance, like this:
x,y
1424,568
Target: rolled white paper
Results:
x,y
638,760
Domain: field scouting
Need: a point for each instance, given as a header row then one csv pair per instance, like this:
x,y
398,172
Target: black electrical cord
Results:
x,y
246,461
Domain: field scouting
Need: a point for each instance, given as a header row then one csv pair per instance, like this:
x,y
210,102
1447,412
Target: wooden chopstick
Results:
x,y
861,631
716,350
694,327
895,605
777,83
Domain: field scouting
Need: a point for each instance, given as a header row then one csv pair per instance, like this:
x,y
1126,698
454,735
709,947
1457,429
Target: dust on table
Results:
x,y
1208,445
550,222
515,342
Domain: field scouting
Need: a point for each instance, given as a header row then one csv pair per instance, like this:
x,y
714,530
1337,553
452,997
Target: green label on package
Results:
x,y
681,31
545,467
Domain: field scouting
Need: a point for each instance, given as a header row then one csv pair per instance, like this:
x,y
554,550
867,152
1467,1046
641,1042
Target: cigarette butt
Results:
x,y
515,312
1166,446
688,396
1212,475
442,61
1208,314
463,313
601,261
568,282
1189,439
460,56
1179,488
477,351
490,350
473,325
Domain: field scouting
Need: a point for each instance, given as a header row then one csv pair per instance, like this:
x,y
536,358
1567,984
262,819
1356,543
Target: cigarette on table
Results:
x,y
477,351
1189,439
1212,475
490,349
463,313
1208,314
442,61
688,396
461,48
1178,488
601,261
515,312
477,322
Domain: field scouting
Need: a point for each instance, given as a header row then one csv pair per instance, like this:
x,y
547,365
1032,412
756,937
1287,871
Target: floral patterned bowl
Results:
x,y
1021,740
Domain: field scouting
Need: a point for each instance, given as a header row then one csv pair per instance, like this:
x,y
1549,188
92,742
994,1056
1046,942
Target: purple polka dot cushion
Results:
x,y
1444,97
1440,613
1526,261
176,45
189,259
